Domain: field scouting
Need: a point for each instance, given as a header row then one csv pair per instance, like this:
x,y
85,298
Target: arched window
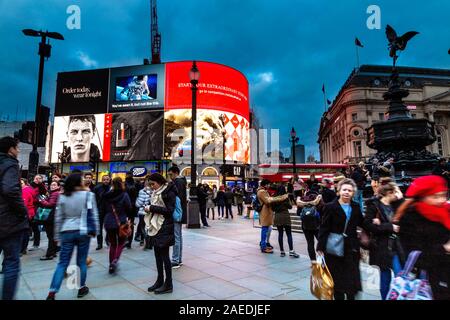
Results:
x,y
186,172
210,172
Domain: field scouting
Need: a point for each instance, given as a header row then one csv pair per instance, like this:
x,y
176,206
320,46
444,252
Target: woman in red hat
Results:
x,y
424,220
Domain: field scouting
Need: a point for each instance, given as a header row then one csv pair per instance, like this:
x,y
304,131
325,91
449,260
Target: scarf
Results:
x,y
153,222
436,214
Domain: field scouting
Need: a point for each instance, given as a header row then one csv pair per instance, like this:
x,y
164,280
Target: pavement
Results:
x,y
222,262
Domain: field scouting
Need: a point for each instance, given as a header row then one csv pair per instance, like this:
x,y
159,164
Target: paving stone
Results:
x,y
217,288
263,286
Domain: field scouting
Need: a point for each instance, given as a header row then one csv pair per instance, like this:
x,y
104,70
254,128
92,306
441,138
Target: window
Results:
x,y
354,116
381,116
358,148
439,143
356,133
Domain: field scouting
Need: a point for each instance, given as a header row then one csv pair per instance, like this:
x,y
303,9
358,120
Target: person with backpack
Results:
x,y
76,221
262,205
181,185
282,221
384,246
424,221
160,224
117,207
13,215
310,217
142,201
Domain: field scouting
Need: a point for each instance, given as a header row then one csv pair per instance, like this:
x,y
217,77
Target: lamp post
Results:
x,y
294,139
44,52
193,209
63,156
224,140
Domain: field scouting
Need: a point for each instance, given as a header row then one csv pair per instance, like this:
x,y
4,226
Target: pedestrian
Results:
x,y
228,203
49,224
131,188
313,184
239,197
220,199
100,190
424,220
181,185
342,217
40,192
88,177
298,186
310,217
387,169
116,207
13,215
159,221
327,192
266,214
210,203
359,177
290,191
142,201
384,247
76,221
28,199
283,223
202,196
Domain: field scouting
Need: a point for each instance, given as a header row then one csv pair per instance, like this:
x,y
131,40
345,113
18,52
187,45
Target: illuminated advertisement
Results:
x,y
210,128
137,88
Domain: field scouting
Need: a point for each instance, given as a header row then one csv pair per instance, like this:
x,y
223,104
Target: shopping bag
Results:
x,y
321,281
406,286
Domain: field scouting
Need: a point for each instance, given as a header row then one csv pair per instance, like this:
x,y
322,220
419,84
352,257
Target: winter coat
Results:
x,y
202,196
28,199
359,178
132,190
418,233
51,204
239,196
13,213
266,214
281,211
181,185
344,270
165,236
328,195
228,198
100,190
121,202
143,200
210,202
220,198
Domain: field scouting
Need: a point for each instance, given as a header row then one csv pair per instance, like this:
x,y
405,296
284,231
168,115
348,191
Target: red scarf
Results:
x,y
436,214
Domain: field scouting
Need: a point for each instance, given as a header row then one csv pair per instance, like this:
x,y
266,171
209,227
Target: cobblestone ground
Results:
x,y
221,262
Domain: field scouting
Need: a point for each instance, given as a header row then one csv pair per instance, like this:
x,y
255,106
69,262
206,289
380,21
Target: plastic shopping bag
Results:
x,y
321,282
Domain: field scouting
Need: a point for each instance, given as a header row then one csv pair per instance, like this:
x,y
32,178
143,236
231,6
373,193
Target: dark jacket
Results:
x,y
202,196
359,178
344,270
418,233
220,198
181,185
132,189
328,195
13,213
282,215
165,236
51,204
229,198
382,246
100,190
121,202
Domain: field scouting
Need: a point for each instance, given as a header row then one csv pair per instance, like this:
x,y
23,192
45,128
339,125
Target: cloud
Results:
x,y
261,82
86,60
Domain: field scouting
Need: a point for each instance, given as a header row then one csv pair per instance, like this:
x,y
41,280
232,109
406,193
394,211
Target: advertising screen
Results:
x,y
220,88
82,92
137,88
210,128
78,138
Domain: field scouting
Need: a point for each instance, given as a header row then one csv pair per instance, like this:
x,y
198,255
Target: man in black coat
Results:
x,y
100,190
181,185
13,215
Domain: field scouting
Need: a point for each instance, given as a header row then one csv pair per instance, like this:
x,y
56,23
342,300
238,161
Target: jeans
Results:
x,y
309,236
269,232
386,277
11,247
221,210
163,264
140,231
359,199
240,208
177,252
203,215
229,211
69,240
263,243
288,234
116,245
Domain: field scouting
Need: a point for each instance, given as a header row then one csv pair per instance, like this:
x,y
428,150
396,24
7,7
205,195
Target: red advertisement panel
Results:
x,y
220,88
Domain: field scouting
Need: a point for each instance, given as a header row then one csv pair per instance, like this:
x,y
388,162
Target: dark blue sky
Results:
x,y
286,48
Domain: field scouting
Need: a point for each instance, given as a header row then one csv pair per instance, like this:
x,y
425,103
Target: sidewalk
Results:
x,y
221,262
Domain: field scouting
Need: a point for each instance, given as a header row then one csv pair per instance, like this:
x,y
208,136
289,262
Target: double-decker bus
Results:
x,y
283,172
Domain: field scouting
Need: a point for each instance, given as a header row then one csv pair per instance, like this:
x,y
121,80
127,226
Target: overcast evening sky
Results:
x,y
286,48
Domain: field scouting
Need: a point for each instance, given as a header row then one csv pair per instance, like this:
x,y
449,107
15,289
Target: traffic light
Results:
x,y
44,115
25,135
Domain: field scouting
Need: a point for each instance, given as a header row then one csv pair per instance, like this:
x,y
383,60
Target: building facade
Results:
x,y
359,104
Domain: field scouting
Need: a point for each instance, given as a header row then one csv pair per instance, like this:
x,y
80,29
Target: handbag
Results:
x,y
406,286
42,215
335,242
321,281
124,229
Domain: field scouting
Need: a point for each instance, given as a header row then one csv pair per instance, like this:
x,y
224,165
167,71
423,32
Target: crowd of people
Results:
x,y
72,210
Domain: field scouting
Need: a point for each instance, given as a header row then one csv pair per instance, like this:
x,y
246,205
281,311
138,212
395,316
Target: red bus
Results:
x,y
284,172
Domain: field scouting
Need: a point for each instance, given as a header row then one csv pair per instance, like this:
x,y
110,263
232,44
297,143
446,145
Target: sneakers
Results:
x,y
83,292
51,296
267,250
46,258
282,254
176,265
112,268
293,254
268,245
100,247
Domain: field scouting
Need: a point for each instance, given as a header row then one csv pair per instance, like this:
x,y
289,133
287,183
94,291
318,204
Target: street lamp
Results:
x,y
193,210
224,141
44,52
294,139
63,155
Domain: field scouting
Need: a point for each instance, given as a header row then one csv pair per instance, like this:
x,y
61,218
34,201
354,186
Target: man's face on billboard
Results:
x,y
80,134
